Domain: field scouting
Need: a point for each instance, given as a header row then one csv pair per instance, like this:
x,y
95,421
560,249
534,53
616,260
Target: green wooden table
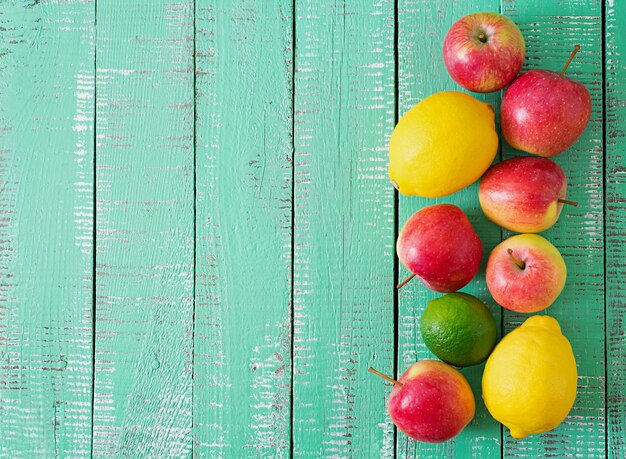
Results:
x,y
197,228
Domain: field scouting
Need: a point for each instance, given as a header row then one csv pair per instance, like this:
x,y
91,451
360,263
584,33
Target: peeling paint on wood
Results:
x,y
422,26
46,226
344,233
242,375
230,190
615,231
551,31
145,229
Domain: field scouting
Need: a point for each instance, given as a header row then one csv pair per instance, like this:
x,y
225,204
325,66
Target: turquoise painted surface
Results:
x,y
422,26
615,220
343,229
242,345
227,161
579,233
46,228
144,229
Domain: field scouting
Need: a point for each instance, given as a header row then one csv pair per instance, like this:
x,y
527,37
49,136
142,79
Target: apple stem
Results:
x,y
384,376
567,201
482,37
520,264
571,56
405,281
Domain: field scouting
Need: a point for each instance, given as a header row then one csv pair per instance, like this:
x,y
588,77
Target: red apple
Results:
x,y
483,52
525,273
439,245
524,194
544,112
432,402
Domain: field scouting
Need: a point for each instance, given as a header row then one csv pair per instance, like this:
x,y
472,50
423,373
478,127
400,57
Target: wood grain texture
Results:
x,y
145,228
268,218
615,231
46,224
551,30
242,372
422,28
343,266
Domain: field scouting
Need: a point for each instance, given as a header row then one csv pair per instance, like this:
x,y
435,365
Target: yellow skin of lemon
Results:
x,y
443,144
529,382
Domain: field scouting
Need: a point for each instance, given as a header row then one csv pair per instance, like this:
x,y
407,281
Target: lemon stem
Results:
x,y
567,201
384,376
571,56
520,264
405,281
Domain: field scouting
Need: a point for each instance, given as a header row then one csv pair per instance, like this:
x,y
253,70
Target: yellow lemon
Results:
x,y
529,383
443,144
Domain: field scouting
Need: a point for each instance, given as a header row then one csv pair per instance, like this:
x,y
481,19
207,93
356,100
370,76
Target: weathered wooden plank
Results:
x,y
244,177
145,229
46,225
422,28
344,228
551,30
615,231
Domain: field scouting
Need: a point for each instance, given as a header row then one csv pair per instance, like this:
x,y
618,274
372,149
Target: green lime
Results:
x,y
459,329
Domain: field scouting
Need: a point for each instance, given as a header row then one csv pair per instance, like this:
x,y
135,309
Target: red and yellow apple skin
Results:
x,y
544,113
521,194
483,52
434,403
439,245
532,287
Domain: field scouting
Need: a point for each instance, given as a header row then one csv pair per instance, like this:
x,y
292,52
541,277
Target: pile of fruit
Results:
x,y
443,144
